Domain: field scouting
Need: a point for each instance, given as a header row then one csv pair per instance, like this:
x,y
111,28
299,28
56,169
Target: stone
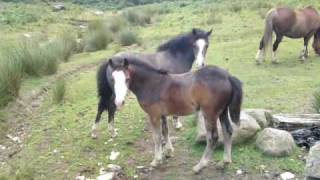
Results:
x,y
107,176
312,169
275,142
247,129
113,168
292,122
58,7
262,116
114,155
287,176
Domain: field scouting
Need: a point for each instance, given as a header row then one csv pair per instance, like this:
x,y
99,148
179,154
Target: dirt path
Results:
x,y
25,106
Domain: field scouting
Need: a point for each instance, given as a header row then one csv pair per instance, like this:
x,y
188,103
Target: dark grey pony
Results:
x,y
174,56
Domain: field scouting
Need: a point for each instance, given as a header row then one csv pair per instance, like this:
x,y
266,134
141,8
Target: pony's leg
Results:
x,y
260,53
168,148
212,138
101,108
176,122
275,47
304,53
156,134
111,112
227,135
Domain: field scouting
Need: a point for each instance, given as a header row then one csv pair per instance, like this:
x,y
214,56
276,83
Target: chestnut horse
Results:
x,y
210,90
301,23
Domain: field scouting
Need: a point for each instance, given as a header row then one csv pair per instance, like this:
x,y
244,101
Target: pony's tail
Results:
x,y
236,100
316,42
103,88
268,29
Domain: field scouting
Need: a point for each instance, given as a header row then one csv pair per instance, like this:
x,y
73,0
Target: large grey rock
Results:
x,y
295,121
312,169
262,116
275,142
247,129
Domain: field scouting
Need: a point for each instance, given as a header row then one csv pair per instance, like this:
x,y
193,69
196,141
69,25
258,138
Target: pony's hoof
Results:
x,y
197,168
94,136
178,126
168,153
155,163
258,62
223,165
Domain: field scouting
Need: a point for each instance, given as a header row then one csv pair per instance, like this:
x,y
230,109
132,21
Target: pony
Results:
x,y
300,23
175,56
211,90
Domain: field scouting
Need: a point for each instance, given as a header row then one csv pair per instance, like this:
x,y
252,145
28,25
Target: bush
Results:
x,y
316,101
116,23
127,38
97,40
136,17
59,91
64,46
235,7
213,18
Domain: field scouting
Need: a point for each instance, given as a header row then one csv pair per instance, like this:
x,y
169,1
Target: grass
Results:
x,y
316,101
128,37
286,87
59,91
135,17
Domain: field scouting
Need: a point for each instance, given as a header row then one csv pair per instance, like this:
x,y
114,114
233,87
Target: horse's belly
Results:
x,y
180,109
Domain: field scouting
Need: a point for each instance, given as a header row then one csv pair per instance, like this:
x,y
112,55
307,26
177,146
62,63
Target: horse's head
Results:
x,y
200,43
118,78
316,42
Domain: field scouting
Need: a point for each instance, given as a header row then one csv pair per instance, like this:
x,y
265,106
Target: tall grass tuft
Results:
x,y
3,124
59,91
316,101
116,23
135,17
98,37
128,37
213,18
68,45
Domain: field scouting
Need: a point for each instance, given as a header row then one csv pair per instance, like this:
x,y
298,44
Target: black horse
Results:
x,y
175,56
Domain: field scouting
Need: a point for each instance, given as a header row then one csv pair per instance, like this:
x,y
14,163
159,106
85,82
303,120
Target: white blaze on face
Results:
x,y
200,43
120,87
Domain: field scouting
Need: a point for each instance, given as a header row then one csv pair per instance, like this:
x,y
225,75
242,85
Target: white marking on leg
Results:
x,y
303,54
177,123
259,56
94,131
200,43
111,129
120,87
157,147
227,141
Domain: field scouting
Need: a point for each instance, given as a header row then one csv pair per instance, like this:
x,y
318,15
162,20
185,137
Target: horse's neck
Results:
x,y
179,62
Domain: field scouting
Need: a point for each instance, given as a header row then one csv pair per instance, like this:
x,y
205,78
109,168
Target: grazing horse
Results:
x,y
210,90
301,23
175,56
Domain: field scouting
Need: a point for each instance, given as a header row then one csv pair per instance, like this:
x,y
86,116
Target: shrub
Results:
x,y
64,46
213,18
127,38
137,17
116,23
235,7
316,101
59,91
97,40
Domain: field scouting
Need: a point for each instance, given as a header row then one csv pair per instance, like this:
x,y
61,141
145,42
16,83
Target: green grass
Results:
x,y
59,91
128,37
237,29
316,101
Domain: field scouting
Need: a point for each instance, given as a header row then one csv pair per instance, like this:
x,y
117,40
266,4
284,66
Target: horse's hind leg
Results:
x,y
304,53
176,122
227,135
156,134
168,148
212,138
101,107
260,53
275,47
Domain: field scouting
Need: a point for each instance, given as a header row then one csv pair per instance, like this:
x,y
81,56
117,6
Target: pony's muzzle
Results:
x,y
119,103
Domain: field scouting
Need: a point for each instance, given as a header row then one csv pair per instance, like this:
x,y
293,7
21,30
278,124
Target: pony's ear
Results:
x,y
125,62
194,31
209,32
111,63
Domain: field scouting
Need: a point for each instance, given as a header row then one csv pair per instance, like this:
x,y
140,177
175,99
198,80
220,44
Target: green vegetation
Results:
x,y
59,91
237,28
316,101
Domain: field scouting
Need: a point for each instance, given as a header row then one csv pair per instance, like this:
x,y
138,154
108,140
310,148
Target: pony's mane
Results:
x,y
178,43
136,62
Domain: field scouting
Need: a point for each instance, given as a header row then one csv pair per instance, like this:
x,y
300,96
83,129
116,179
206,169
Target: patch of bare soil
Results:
x,y
180,166
24,107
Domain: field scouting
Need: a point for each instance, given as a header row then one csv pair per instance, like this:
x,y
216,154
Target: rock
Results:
x,y
286,176
295,121
247,129
262,116
239,172
98,13
58,7
113,168
80,177
114,155
102,170
312,169
275,142
306,137
2,147
107,176
14,139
